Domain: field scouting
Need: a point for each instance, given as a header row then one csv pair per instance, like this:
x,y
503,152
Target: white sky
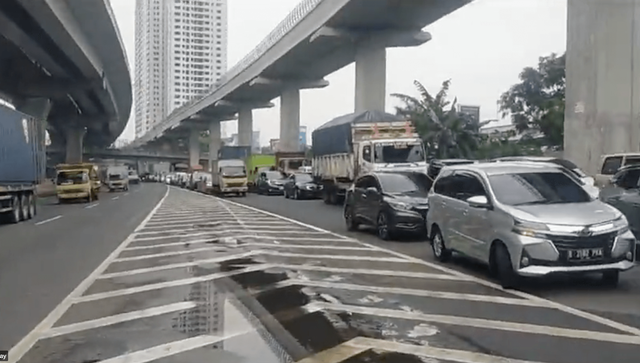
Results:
x,y
482,48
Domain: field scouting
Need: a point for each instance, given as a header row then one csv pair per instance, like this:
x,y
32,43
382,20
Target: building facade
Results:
x,y
181,51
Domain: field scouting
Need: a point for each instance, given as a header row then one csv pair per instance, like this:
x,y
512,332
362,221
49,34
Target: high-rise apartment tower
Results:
x,y
181,51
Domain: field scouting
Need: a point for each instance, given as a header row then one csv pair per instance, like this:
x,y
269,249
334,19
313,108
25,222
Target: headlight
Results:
x,y
530,229
621,224
399,205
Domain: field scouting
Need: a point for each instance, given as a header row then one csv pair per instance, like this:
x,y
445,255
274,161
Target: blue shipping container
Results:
x,y
22,148
234,152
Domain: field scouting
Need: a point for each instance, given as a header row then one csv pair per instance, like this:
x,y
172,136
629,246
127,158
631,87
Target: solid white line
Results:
x,y
168,254
92,206
169,349
18,351
404,291
164,285
176,265
549,303
115,198
436,354
483,323
213,233
270,222
48,220
249,244
355,271
268,229
115,319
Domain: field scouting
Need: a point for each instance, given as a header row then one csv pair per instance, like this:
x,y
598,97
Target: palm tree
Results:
x,y
446,132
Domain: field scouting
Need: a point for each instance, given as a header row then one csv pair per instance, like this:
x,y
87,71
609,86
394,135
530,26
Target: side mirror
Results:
x,y
479,201
372,190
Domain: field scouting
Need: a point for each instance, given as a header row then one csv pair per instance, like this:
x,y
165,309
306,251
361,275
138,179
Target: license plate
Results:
x,y
586,254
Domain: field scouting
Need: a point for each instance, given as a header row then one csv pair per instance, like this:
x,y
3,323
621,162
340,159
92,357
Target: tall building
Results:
x,y
181,51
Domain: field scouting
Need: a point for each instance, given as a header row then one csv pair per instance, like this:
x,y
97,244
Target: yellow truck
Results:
x,y
77,181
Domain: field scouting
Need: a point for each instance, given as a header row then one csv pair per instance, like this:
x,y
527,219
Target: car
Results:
x,y
133,177
390,202
302,186
623,193
271,182
526,219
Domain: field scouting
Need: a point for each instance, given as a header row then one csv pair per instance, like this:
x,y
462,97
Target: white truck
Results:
x,y
356,144
117,178
229,177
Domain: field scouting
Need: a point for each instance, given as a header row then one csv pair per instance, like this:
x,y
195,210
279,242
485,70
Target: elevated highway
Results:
x,y
64,61
316,39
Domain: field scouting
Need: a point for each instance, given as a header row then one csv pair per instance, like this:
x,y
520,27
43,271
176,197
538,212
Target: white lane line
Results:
x,y
275,244
164,285
219,232
48,220
115,198
253,227
436,354
125,194
170,349
115,319
92,206
483,323
524,295
403,291
19,350
355,271
176,265
265,252
165,225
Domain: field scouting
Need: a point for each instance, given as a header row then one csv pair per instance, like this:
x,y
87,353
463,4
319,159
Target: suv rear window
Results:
x,y
611,165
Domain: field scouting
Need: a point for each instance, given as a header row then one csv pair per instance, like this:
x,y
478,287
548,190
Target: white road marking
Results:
x,y
337,354
483,323
115,319
92,206
170,349
253,227
18,351
115,198
269,222
213,233
564,308
48,220
125,194
449,355
350,271
275,244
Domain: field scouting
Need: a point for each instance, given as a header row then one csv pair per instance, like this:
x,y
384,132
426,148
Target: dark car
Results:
x,y
271,182
302,186
624,195
391,202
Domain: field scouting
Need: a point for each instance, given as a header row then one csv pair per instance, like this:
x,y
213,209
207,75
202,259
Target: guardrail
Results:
x,y
295,16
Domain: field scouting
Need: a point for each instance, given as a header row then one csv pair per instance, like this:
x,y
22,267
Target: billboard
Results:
x,y
473,111
303,137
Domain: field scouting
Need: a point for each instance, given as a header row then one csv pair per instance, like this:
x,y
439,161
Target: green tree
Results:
x,y
446,132
538,101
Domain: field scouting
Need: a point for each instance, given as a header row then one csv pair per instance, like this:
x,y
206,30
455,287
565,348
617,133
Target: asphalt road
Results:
x,y
43,260
205,279
621,304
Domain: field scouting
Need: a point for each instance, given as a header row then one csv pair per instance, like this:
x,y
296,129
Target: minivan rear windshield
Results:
x,y
537,188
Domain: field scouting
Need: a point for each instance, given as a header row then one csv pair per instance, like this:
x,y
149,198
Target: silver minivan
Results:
x,y
526,219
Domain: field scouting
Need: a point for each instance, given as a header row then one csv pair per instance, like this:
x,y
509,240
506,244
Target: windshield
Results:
x,y
305,178
233,171
115,177
293,164
398,152
275,175
72,177
397,183
537,188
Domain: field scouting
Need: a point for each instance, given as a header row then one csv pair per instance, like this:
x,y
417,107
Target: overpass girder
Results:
x,y
289,83
390,38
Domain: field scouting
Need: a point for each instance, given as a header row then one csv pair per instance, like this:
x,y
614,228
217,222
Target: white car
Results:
x,y
133,177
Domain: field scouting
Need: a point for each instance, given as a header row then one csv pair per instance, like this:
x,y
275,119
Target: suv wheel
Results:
x,y
349,219
382,226
508,277
440,251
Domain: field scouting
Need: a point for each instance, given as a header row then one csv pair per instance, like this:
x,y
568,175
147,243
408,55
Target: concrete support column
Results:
x,y
74,137
371,77
602,113
290,120
215,141
245,126
194,148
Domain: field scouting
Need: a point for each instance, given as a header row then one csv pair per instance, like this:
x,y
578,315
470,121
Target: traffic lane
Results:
x,y
39,265
198,260
586,292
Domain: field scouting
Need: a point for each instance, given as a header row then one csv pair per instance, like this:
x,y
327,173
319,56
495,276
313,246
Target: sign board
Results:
x,y
473,111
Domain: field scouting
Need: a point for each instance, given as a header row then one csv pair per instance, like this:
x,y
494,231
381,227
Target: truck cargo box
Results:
x,y
234,152
22,154
335,136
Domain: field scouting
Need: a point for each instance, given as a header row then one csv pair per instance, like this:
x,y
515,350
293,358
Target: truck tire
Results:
x,y
14,216
24,207
32,206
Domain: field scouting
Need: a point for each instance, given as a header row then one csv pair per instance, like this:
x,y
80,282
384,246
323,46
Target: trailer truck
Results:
x,y
356,144
22,164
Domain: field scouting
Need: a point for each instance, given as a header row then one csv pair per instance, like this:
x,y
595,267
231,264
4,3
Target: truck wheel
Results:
x,y
24,208
14,216
325,197
32,206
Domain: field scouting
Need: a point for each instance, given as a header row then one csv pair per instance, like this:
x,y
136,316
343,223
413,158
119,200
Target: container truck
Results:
x,y
355,144
289,162
234,152
22,164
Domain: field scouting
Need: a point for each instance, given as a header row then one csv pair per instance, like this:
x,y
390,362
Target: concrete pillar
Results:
x,y
245,127
74,137
215,141
194,148
371,77
290,120
602,113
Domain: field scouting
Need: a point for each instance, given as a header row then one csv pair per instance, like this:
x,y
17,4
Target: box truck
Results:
x,y
22,164
359,143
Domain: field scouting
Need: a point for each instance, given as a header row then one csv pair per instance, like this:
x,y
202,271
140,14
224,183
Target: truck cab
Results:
x,y
117,178
230,177
77,181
